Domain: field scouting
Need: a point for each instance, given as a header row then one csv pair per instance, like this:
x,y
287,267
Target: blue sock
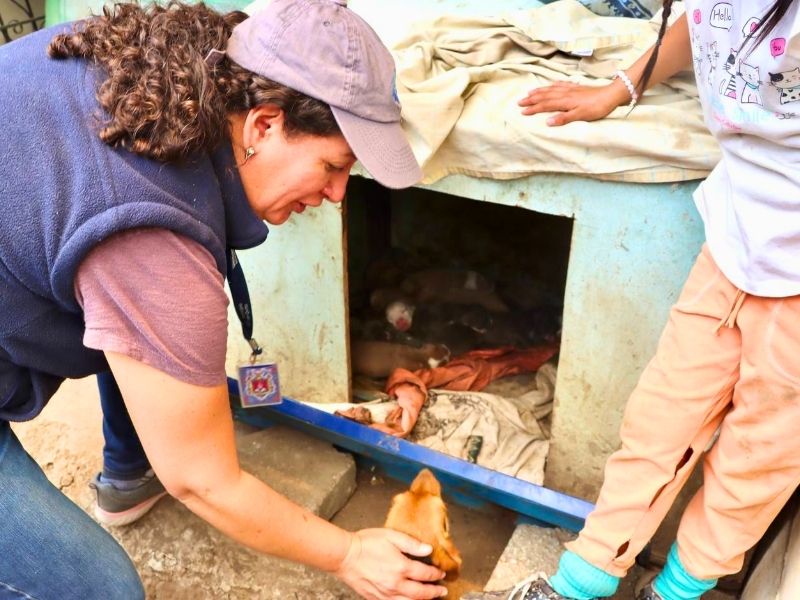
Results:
x,y
674,583
578,580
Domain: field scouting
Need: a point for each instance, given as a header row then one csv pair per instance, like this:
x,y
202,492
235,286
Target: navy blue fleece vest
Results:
x,y
62,191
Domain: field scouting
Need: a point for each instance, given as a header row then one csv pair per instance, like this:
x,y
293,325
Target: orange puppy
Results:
x,y
421,513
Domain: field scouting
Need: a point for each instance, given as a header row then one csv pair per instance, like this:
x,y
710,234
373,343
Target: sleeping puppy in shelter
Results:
x,y
421,513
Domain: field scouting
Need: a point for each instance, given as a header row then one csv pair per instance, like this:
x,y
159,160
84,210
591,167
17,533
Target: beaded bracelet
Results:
x,y
622,75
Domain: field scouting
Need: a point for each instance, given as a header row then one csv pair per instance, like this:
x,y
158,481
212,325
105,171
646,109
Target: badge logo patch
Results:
x,y
259,385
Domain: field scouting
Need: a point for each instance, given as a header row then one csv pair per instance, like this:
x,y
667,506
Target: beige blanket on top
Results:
x,y
459,81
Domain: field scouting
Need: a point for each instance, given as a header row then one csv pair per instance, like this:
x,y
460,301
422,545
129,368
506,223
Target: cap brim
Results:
x,y
382,148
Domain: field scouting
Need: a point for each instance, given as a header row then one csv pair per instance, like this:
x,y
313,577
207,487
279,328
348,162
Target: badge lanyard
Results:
x,y
258,381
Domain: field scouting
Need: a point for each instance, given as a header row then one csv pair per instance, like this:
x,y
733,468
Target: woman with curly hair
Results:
x,y
146,145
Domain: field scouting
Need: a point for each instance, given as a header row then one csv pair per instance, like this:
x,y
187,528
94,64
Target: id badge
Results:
x,y
259,385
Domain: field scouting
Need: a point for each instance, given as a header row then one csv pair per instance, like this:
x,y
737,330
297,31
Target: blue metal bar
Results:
x,y
458,477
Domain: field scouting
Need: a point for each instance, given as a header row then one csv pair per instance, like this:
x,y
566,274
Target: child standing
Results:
x,y
728,357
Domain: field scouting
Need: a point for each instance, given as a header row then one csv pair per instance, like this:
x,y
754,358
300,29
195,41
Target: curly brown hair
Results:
x,y
161,97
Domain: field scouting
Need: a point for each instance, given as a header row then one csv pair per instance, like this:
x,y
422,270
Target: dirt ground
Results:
x,y
66,440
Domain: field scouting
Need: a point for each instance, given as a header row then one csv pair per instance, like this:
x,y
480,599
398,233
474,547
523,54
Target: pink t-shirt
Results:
x,y
157,297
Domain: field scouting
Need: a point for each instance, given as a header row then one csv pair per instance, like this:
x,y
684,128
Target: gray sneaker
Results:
x,y
648,593
643,588
535,587
116,507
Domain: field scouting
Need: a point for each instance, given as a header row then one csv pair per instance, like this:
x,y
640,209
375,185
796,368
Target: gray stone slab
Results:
x,y
309,471
179,556
530,550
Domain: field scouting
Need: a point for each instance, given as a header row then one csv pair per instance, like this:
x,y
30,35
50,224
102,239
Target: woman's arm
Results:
x,y
187,433
573,102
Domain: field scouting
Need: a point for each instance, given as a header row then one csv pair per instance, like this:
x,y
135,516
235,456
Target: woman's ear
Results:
x,y
261,122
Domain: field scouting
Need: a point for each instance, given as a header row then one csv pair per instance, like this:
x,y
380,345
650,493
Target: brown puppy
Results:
x,y
421,513
379,359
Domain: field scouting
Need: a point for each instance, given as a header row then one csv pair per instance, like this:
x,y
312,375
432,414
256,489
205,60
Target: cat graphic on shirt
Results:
x,y
788,83
727,86
752,84
713,58
697,52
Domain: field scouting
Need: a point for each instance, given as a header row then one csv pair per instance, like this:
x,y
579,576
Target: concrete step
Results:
x,y
180,557
309,471
533,549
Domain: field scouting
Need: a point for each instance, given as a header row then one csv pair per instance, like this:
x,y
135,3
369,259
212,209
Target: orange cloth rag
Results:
x,y
471,371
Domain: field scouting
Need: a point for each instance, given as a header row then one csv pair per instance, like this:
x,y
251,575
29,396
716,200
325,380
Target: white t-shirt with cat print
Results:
x,y
750,203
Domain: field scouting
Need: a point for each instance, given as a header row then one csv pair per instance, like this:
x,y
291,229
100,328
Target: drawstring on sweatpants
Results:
x,y
730,319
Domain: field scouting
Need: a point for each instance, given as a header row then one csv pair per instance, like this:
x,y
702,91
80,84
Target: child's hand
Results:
x,y
573,102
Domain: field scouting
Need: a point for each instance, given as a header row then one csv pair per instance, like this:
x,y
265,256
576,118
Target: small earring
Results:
x,y
248,153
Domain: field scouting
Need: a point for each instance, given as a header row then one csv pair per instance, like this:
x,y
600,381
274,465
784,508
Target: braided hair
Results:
x,y
767,24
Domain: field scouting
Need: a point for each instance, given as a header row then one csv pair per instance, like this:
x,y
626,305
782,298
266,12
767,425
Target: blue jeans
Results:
x,y
123,455
49,548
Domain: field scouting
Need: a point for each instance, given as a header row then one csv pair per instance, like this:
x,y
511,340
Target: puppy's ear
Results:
x,y
447,557
426,483
390,515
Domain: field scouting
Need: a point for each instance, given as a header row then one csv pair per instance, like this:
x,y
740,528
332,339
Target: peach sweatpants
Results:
x,y
729,361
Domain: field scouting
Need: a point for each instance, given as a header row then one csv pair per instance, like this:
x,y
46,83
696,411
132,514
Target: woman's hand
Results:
x,y
376,568
573,102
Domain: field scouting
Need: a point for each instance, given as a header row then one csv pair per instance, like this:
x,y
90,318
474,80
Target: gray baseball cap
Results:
x,y
326,51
